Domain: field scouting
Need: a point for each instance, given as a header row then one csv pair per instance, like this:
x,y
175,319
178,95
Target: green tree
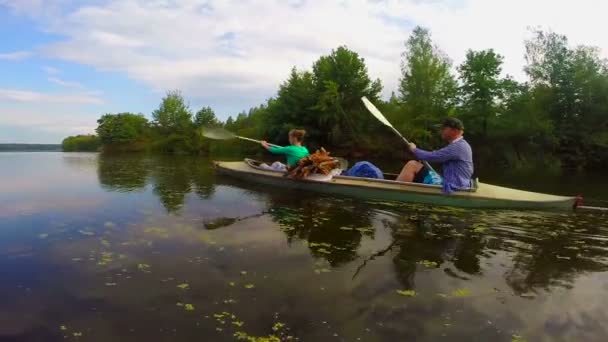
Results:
x,y
294,106
205,117
427,88
341,79
173,116
573,80
89,143
480,89
121,128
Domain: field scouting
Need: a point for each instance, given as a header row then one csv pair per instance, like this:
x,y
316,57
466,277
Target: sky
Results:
x,y
64,63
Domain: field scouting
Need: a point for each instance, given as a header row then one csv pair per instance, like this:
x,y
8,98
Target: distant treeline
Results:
x,y
29,147
559,115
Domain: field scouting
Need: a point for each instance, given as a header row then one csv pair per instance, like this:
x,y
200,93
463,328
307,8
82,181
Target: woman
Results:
x,y
294,152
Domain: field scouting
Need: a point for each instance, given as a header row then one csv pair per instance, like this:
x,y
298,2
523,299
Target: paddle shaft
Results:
x,y
253,140
424,162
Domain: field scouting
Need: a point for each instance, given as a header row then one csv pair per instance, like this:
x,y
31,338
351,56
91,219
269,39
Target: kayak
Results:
x,y
481,196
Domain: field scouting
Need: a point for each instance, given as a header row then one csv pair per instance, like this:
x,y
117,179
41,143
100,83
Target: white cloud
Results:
x,y
27,96
15,55
67,84
51,70
237,50
214,47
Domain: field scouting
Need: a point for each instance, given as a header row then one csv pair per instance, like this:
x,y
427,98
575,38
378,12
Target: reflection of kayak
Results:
x,y
483,196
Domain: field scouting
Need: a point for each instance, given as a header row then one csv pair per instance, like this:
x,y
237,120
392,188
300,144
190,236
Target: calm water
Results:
x,y
160,249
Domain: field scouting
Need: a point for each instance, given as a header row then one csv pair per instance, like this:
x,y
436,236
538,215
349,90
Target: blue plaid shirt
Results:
x,y
457,163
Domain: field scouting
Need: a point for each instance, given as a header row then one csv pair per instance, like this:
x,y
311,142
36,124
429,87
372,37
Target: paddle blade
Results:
x,y
217,133
375,112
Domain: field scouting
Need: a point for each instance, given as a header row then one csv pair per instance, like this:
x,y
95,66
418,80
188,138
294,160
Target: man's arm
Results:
x,y
439,156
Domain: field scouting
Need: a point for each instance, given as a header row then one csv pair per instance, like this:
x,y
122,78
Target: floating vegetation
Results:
x,y
43,236
109,224
249,286
463,292
183,286
278,326
188,307
347,228
86,232
407,293
105,242
143,267
319,244
106,258
479,228
517,338
110,284
157,231
77,334
323,250
63,328
232,283
243,272
428,263
322,270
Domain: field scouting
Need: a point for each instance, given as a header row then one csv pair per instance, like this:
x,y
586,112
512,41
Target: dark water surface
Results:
x,y
160,249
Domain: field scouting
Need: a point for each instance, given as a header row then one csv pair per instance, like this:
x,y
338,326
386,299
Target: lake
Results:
x,y
142,248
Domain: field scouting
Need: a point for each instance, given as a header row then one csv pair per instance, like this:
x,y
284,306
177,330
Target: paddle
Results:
x,y
376,113
219,133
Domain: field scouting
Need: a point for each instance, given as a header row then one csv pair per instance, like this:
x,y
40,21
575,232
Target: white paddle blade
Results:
x,y
217,133
375,112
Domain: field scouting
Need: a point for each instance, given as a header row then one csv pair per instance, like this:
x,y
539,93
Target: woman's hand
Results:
x,y
265,144
411,146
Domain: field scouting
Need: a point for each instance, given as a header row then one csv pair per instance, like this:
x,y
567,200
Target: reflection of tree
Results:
x,y
332,228
434,240
123,173
203,177
557,257
172,177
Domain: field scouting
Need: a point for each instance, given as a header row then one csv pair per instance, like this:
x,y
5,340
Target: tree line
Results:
x,y
560,115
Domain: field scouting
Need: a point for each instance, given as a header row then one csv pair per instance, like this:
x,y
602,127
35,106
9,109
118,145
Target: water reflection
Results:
x,y
175,253
171,178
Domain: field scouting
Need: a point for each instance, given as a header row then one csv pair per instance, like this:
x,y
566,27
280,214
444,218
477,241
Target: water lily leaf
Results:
x,y
517,338
463,292
183,286
189,307
63,328
249,286
109,224
86,232
407,293
143,267
43,236
428,263
278,326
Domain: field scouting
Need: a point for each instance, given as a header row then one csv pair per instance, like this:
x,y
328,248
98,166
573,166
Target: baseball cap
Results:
x,y
451,122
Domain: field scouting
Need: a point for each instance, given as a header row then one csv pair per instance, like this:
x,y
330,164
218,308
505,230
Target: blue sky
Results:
x,y
63,63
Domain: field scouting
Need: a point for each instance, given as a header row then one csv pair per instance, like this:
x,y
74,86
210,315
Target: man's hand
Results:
x,y
411,146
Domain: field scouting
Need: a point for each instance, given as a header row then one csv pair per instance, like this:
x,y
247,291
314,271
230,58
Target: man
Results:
x,y
456,159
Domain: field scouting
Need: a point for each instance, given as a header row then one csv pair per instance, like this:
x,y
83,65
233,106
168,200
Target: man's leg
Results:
x,y
409,171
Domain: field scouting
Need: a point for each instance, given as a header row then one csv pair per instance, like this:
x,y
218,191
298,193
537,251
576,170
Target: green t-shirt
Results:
x,y
292,152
